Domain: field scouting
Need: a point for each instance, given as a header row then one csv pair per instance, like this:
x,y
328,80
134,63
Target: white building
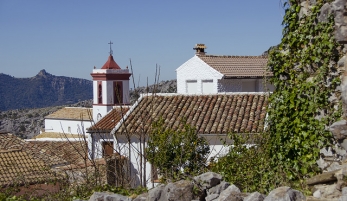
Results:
x,y
236,102
69,120
110,90
213,116
210,74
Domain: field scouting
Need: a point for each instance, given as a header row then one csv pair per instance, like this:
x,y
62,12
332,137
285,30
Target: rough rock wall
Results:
x,y
332,157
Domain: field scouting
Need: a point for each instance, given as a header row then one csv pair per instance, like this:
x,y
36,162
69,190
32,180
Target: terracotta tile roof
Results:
x,y
10,142
209,114
237,66
72,113
61,136
72,152
109,121
110,64
18,168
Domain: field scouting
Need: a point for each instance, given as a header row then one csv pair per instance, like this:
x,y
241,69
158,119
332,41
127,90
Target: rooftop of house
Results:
x,y
62,136
72,113
17,167
234,66
72,152
110,120
10,142
52,153
209,114
238,66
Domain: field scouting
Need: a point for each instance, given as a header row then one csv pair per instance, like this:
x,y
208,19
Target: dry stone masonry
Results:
x,y
205,187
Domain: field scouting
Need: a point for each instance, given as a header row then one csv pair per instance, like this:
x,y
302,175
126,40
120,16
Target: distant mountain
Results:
x,y
42,90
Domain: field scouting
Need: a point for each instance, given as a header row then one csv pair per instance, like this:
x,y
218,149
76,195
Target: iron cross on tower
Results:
x,y
111,52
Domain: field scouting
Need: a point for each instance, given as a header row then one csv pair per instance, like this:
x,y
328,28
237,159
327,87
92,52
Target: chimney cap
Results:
x,y
200,45
200,49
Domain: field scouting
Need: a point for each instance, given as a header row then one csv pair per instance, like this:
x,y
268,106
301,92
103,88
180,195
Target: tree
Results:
x,y
176,153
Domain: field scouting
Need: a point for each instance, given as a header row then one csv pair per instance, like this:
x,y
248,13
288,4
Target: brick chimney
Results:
x,y
200,49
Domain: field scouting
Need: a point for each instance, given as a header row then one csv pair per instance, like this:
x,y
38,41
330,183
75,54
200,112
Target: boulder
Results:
x,y
219,188
141,197
178,191
327,191
211,197
285,193
256,196
208,180
232,193
155,193
106,196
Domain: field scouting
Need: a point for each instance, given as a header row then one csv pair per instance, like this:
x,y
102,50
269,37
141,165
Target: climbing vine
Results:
x,y
306,77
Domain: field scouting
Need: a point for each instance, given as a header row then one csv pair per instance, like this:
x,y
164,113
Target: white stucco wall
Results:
x,y
100,109
134,155
196,69
95,141
95,92
67,126
121,145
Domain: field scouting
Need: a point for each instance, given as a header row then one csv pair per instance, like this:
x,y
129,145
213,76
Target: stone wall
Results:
x,y
332,157
210,186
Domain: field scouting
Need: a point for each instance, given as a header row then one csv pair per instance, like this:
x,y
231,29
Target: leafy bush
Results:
x,y
176,153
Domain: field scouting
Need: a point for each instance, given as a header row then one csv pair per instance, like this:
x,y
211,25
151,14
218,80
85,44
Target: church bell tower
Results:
x,y
110,87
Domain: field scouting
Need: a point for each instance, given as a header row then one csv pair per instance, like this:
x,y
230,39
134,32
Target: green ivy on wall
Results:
x,y
305,74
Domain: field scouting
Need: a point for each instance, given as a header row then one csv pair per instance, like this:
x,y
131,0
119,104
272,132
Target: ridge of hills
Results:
x,y
28,122
42,90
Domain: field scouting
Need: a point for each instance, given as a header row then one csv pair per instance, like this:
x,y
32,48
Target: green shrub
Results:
x,y
176,153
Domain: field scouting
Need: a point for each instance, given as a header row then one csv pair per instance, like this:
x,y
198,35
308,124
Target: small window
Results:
x,y
207,86
192,86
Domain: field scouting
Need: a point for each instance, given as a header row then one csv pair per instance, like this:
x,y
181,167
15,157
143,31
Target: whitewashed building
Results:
x,y
216,95
213,117
110,90
70,120
211,74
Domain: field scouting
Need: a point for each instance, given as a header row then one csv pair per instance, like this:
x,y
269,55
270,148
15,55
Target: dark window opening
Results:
x,y
99,93
118,92
107,149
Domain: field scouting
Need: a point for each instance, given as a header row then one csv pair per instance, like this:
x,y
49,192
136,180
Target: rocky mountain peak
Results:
x,y
43,73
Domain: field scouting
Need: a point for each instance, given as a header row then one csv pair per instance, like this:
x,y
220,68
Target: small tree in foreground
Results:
x,y
176,153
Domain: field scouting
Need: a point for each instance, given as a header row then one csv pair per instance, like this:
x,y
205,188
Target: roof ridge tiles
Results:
x,y
234,56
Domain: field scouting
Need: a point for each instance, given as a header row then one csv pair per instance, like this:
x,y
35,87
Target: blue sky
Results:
x,y
69,38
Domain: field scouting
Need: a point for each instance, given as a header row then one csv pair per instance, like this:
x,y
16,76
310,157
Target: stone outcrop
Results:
x,y
213,188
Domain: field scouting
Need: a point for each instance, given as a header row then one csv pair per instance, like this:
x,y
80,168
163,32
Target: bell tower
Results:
x,y
110,87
